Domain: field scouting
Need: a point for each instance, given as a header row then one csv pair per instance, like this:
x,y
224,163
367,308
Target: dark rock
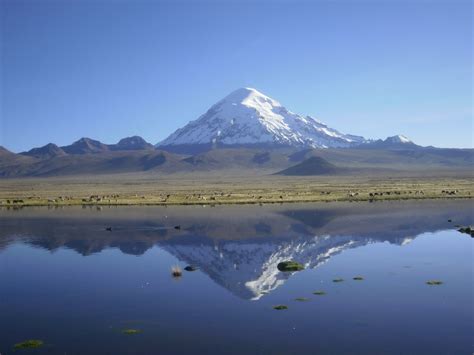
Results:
x,y
434,282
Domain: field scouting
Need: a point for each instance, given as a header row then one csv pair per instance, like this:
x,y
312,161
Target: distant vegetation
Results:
x,y
213,190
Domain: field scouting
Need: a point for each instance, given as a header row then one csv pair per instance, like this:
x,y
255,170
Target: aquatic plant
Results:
x,y
319,293
176,271
434,282
29,344
338,280
467,230
358,278
280,307
286,266
131,331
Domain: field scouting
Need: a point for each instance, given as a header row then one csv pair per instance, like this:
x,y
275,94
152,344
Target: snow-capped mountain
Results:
x,y
394,142
248,117
398,139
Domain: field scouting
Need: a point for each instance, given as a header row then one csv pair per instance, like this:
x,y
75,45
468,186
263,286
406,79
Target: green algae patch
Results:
x,y
29,344
131,331
434,282
358,278
286,266
338,280
280,307
319,293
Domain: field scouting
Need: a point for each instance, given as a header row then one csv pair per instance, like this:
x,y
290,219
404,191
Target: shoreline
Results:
x,y
224,203
228,191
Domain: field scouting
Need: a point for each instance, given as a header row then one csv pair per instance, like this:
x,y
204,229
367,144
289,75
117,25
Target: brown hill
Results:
x,y
48,151
312,166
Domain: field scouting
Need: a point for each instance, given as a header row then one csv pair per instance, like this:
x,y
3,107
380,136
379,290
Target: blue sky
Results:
x,y
109,69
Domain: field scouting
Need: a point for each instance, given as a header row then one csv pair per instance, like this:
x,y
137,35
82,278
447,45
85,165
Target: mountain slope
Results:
x,y
48,151
86,146
232,158
390,158
248,117
242,161
9,162
132,143
98,163
392,143
312,166
6,154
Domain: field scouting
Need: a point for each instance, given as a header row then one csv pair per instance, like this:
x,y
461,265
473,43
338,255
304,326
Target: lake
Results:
x,y
76,286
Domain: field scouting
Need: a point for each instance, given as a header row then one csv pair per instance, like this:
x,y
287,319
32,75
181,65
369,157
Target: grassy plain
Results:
x,y
133,189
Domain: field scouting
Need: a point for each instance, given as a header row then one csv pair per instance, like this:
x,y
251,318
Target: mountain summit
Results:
x,y
48,151
398,139
393,143
248,117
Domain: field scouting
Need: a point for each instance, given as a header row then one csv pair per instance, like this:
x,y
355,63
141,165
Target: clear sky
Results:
x,y
108,69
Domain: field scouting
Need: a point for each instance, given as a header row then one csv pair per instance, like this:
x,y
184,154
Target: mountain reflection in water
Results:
x,y
236,246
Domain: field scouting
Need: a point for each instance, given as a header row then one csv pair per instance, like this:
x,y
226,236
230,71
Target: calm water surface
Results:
x,y
65,280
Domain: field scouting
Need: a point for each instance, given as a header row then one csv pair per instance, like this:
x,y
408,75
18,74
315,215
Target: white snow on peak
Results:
x,y
398,139
247,116
250,97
